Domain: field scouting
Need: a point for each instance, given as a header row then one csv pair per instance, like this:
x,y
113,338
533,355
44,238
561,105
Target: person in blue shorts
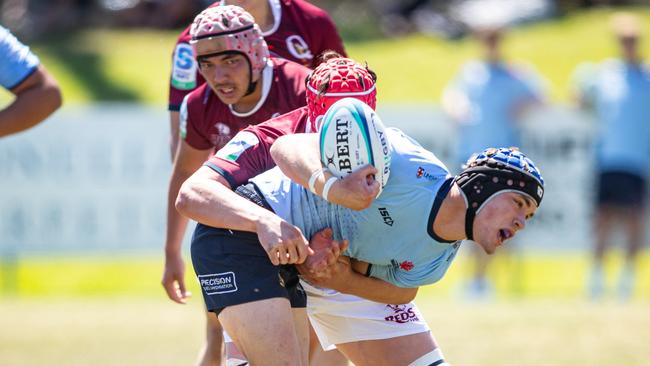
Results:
x,y
617,91
36,92
431,211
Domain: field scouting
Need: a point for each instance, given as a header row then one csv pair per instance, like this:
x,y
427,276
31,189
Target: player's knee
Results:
x,y
433,358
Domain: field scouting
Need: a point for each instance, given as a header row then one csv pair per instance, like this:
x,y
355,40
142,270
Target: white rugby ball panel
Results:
x,y
352,135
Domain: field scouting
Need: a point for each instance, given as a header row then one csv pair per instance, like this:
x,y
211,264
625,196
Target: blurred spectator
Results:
x,y
618,92
37,93
487,100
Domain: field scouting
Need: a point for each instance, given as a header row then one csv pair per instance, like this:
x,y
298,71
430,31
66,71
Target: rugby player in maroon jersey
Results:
x,y
245,86
293,29
368,336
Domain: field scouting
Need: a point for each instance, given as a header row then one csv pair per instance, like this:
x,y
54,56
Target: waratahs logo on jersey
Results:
x,y
299,48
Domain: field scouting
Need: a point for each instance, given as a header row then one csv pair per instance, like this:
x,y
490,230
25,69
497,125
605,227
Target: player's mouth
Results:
x,y
226,91
504,234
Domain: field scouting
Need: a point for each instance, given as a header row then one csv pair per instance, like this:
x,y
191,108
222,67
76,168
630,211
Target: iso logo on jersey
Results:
x,y
184,67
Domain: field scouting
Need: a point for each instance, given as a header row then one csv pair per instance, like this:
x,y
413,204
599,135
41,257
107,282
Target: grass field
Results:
x,y
97,311
108,331
120,65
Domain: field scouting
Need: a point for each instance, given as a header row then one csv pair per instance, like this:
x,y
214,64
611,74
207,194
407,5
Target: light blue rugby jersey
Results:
x,y
620,93
494,90
17,61
395,233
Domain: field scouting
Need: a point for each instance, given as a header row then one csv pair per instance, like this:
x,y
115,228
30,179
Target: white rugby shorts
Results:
x,y
340,318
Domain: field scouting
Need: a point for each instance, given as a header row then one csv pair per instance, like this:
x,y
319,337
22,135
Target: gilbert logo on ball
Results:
x,y
352,135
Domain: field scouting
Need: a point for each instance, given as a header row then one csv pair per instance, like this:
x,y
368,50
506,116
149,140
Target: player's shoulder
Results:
x,y
304,9
290,71
521,70
411,158
290,67
291,122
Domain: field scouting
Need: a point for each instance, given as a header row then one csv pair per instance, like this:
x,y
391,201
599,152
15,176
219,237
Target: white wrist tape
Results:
x,y
326,189
314,177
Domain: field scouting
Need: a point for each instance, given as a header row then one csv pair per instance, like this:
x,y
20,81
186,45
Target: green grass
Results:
x,y
104,331
97,311
559,275
117,65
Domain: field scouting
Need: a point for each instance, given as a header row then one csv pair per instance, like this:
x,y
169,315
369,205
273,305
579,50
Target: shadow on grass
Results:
x,y
86,66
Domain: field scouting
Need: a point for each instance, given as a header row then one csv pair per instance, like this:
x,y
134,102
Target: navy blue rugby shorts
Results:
x,y
621,189
233,268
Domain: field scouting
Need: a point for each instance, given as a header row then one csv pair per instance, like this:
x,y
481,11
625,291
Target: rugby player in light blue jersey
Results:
x,y
37,93
618,92
407,236
410,234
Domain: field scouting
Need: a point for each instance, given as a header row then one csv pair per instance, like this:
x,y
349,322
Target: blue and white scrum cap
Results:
x,y
495,170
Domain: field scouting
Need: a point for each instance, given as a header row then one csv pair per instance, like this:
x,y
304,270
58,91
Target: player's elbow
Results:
x,y
184,198
277,149
50,92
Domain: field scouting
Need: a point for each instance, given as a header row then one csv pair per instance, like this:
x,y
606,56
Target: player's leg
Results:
x,y
403,350
319,357
212,352
633,217
369,333
253,298
265,332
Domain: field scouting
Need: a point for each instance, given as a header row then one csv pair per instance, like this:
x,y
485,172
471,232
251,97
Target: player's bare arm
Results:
x,y
327,268
298,157
37,97
174,122
206,198
187,160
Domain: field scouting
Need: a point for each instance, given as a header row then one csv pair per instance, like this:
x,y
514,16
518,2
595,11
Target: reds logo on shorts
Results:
x,y
402,314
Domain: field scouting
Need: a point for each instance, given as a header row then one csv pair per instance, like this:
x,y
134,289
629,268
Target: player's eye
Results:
x,y
232,61
519,203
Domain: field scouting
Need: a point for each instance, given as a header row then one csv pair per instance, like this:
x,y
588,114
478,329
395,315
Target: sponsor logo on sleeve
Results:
x,y
421,173
235,147
184,68
218,283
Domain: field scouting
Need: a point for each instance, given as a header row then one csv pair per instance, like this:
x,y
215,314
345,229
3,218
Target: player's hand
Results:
x,y
173,279
357,190
326,252
283,242
334,276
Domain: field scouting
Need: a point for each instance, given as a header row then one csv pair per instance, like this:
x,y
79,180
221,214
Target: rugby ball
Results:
x,y
352,135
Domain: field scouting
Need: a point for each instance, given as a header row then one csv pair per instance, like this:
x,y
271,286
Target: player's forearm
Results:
x,y
174,122
376,290
176,223
34,102
297,156
212,203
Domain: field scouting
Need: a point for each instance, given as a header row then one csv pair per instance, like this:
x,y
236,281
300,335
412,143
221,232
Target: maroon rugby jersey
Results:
x,y
248,153
301,33
206,122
